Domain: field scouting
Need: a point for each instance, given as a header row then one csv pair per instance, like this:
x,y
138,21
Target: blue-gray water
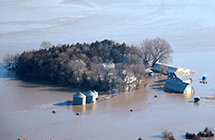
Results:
x,y
25,107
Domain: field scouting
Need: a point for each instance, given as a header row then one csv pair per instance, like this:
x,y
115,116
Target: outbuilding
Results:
x,y
178,86
96,94
79,99
109,65
149,72
90,97
179,76
167,69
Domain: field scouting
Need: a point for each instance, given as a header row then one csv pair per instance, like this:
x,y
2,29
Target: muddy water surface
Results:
x,y
26,107
26,110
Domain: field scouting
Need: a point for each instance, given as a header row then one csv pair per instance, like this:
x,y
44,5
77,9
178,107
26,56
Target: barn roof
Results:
x,y
179,73
95,92
182,76
169,68
174,84
165,67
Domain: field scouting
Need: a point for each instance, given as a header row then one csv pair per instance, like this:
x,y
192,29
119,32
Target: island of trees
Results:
x,y
102,66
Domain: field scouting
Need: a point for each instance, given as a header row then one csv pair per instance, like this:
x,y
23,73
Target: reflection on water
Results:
x,y
81,108
187,25
66,103
189,95
88,108
4,73
78,108
112,115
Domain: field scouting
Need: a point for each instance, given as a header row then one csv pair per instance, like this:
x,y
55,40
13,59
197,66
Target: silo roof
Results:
x,y
89,93
95,92
79,95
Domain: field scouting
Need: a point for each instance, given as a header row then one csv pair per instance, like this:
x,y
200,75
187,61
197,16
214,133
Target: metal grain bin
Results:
x,y
90,97
79,99
96,94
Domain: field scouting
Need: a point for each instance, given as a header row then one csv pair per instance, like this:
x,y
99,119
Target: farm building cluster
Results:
x,y
178,81
178,78
85,98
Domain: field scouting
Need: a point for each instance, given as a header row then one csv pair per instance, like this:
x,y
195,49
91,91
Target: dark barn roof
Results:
x,y
176,86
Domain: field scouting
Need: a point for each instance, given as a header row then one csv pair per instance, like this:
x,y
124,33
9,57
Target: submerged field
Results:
x,y
26,107
29,112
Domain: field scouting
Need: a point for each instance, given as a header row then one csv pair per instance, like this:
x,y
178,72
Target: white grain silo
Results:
x,y
90,97
79,99
96,94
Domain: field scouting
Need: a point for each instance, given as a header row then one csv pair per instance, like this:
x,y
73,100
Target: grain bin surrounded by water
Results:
x,y
96,94
79,99
90,97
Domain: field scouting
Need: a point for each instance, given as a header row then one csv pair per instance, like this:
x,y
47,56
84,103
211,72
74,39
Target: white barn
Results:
x,y
167,69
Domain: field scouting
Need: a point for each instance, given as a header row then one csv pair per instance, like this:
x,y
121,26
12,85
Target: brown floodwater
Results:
x,y
26,109
26,105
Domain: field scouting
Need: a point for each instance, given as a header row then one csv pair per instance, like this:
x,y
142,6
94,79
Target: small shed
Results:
x,y
96,94
178,86
166,69
79,99
109,65
130,78
90,97
149,72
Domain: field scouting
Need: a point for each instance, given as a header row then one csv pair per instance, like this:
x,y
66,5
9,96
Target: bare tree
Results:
x,y
139,72
46,44
166,133
77,65
156,50
147,57
96,59
96,70
124,76
133,59
11,60
62,57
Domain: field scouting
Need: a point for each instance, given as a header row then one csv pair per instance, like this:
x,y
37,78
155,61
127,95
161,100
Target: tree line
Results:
x,y
83,64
